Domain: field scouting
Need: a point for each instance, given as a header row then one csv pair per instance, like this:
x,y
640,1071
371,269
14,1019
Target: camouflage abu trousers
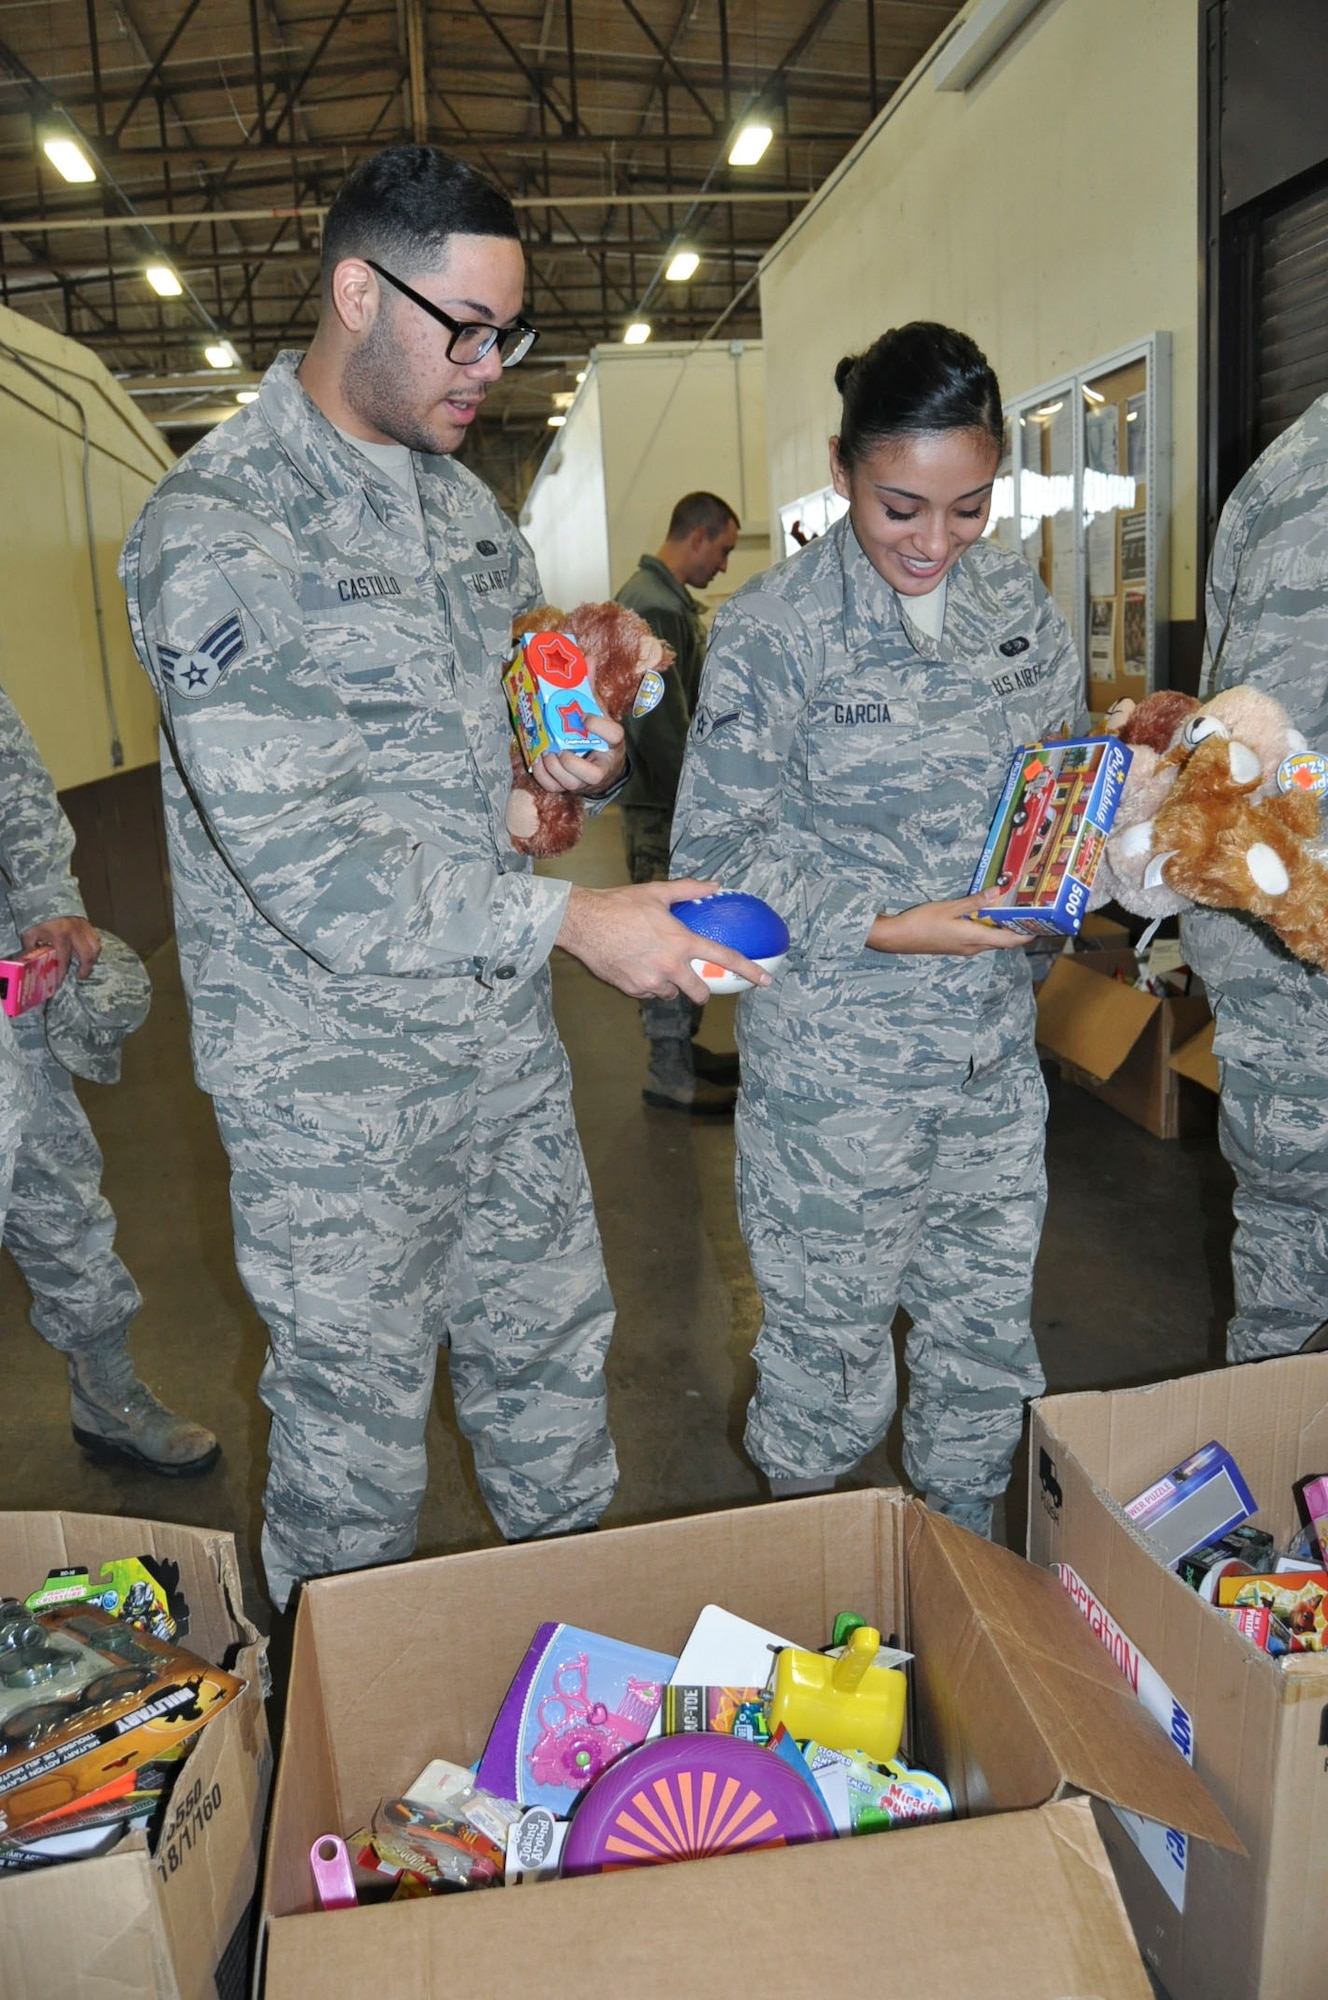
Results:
x,y
931,1198
59,1228
371,1223
646,832
1273,1129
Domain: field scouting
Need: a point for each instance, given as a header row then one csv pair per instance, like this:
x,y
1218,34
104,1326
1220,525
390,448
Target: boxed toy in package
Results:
x,y
1014,1704
1252,1721
1048,832
148,1761
550,697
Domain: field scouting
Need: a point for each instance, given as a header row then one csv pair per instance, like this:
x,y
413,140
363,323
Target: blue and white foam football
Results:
x,y
745,924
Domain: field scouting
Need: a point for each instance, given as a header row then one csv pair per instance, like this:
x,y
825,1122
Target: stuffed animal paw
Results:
x,y
626,661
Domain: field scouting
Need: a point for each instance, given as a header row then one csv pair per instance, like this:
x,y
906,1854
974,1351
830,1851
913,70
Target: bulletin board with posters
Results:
x,y
1089,506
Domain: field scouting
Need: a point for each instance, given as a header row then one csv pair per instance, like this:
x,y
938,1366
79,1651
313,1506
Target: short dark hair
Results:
x,y
401,206
919,377
700,510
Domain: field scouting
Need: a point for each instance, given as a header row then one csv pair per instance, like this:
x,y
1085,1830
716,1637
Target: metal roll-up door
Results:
x,y
1291,314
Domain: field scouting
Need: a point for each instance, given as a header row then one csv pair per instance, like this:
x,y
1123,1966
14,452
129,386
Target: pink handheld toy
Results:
x,y
29,981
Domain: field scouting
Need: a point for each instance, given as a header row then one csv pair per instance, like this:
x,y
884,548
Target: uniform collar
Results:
x,y
871,606
333,467
680,591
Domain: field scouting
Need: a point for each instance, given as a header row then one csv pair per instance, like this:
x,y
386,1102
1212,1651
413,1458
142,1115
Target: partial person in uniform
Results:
x,y
323,598
684,1075
1267,627
57,1225
859,709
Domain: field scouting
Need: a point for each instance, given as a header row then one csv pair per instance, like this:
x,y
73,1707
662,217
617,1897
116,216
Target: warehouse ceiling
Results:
x,y
219,130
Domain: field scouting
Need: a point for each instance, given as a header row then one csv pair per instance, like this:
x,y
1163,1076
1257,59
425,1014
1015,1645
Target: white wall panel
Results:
x,y
648,425
565,518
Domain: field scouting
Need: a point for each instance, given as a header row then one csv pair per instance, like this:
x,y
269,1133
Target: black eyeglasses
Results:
x,y
470,340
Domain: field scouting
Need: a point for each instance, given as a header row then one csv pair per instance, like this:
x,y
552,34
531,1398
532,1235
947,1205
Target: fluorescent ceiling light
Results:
x,y
163,281
682,264
1092,395
69,160
1048,410
557,420
581,375
221,355
246,395
750,145
637,333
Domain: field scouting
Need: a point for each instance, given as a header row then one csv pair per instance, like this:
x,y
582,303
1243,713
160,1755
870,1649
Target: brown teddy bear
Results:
x,y
1233,820
1150,727
621,651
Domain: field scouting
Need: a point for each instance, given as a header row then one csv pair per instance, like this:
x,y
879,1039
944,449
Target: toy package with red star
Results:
x,y
1048,832
551,698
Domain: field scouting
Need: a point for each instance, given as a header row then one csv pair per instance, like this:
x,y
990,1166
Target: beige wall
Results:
x,y
648,425
50,665
1050,210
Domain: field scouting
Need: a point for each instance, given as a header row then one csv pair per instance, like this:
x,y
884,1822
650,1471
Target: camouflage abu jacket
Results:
x,y
657,741
36,840
335,761
842,763
1267,627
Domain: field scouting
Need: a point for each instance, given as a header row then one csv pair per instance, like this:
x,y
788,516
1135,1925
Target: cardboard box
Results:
x,y
1115,1040
1015,1704
174,1925
1213,1927
1048,832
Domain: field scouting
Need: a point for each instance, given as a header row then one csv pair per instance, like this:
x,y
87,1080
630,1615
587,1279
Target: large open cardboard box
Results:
x,y
1259,1731
1014,1703
175,1924
1115,1040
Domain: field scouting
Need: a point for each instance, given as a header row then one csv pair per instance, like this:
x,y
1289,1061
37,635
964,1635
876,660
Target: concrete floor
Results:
x,y
1133,1281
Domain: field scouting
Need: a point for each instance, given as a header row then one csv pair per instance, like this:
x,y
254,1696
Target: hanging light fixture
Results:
x,y
749,143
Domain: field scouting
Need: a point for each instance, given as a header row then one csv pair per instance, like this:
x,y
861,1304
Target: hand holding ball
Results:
x,y
743,923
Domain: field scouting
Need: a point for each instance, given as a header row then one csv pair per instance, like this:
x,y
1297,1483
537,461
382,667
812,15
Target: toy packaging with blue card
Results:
x,y
1048,832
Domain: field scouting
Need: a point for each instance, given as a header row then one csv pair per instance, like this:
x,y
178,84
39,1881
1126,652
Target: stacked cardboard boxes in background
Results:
x,y
174,1923
1214,1926
1014,1704
1129,1047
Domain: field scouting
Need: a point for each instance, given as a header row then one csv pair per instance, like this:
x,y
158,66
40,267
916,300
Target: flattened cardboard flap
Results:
x,y
1196,1060
1089,1018
1013,1684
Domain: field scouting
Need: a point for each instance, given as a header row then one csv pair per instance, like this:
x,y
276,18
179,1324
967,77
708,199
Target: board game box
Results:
x,y
1048,832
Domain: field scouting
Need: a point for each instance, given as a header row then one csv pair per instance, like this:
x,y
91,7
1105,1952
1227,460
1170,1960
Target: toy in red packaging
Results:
x,y
1297,1599
1048,832
29,981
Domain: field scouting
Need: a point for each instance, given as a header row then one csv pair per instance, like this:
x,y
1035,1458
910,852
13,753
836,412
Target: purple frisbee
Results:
x,y
681,1797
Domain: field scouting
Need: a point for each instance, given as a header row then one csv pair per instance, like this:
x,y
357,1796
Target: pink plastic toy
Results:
x,y
581,1738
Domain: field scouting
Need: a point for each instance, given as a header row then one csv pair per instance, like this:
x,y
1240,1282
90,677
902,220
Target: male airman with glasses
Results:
x,y
323,598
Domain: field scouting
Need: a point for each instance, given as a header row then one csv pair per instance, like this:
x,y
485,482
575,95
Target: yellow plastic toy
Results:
x,y
847,1704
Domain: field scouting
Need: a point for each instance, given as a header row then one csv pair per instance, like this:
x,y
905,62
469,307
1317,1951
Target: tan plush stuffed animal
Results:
x,y
620,650
1235,822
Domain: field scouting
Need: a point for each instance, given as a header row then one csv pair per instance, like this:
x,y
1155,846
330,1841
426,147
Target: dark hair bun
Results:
x,y
916,378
